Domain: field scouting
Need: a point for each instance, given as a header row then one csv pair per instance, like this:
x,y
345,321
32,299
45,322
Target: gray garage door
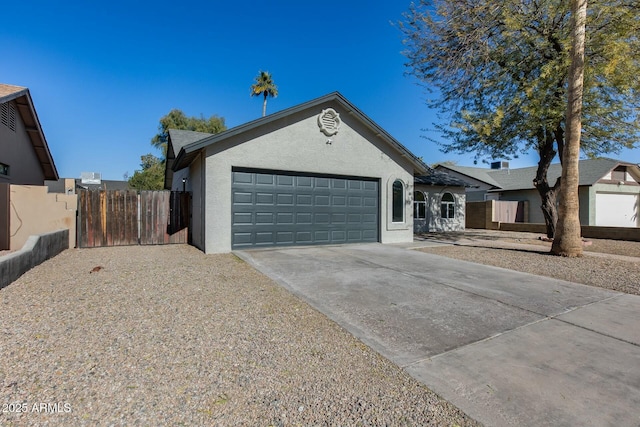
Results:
x,y
279,209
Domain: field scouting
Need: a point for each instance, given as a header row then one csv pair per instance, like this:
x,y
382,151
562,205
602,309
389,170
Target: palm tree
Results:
x,y
264,86
567,240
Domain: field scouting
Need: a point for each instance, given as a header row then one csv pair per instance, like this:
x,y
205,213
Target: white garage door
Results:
x,y
616,210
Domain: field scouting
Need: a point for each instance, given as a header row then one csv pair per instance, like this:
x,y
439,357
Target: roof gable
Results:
x,y
188,152
176,140
22,98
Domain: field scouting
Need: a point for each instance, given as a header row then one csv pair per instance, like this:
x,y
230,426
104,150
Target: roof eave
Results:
x,y
29,116
418,165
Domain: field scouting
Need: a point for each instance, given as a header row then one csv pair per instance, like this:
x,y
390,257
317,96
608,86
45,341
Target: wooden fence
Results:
x,y
118,218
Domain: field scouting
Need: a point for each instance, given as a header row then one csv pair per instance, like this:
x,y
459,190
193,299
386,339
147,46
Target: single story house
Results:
x,y
72,185
25,158
438,203
321,172
609,189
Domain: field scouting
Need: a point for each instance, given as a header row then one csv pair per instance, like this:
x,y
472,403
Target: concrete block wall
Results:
x,y
480,215
33,210
36,250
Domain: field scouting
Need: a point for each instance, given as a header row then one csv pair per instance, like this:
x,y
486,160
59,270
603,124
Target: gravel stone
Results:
x,y
609,264
166,335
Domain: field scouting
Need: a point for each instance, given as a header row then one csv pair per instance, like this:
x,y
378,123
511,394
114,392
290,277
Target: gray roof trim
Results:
x,y
29,117
479,174
440,178
189,152
10,92
591,171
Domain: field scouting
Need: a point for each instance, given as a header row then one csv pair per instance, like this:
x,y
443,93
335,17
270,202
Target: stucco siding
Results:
x,y
434,221
17,151
295,144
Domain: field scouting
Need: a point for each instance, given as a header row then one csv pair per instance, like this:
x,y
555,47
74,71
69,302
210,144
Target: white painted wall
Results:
x,y
295,143
434,221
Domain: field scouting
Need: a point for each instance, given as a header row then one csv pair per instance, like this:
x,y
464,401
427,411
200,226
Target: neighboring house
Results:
x,y
62,185
609,189
25,158
438,203
318,173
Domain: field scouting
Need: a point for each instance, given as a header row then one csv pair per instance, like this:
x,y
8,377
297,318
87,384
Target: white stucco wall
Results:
x,y
434,221
295,143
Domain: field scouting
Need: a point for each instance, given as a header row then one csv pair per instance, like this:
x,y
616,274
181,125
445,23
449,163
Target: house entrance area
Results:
x,y
285,208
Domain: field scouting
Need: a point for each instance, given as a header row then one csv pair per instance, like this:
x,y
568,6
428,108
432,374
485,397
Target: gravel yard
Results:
x,y
527,253
165,335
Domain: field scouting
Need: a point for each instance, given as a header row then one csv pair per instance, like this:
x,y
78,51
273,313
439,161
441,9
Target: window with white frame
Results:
x,y
447,206
419,205
397,213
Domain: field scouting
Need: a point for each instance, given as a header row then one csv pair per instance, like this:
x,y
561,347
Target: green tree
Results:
x,y
151,175
264,86
567,239
176,119
500,69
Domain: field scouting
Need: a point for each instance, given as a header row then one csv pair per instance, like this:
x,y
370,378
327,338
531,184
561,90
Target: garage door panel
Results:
x,y
284,199
243,178
265,198
275,209
321,237
304,218
323,183
284,180
284,237
339,183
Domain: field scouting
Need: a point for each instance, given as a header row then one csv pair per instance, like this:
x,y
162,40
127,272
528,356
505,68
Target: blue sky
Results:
x,y
102,74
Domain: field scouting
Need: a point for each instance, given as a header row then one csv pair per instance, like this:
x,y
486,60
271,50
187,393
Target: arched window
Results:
x,y
398,202
447,206
419,205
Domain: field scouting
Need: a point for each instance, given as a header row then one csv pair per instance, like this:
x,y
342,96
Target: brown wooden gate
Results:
x,y
117,218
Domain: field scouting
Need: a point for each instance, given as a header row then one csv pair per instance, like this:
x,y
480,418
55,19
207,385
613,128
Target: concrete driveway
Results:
x,y
508,348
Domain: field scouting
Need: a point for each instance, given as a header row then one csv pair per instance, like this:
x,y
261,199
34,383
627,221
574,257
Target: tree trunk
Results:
x,y
547,193
264,105
567,240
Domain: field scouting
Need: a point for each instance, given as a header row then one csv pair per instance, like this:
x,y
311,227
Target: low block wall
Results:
x,y
613,233
588,231
29,203
480,215
36,250
527,227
